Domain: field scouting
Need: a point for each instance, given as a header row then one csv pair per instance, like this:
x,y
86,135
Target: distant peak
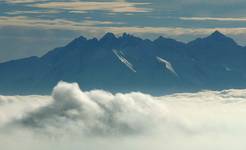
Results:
x,y
108,35
127,36
161,38
81,38
78,40
215,38
220,36
167,41
217,34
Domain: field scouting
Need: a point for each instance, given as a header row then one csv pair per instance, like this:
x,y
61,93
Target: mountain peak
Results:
x,y
126,36
164,39
160,38
108,36
217,34
219,37
167,42
216,38
77,41
81,38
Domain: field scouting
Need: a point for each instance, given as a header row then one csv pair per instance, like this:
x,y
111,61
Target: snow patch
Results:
x,y
121,57
227,68
167,64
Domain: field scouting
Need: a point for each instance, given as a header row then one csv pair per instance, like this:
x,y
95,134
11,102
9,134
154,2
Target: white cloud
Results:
x,y
188,121
89,6
50,24
15,107
91,27
77,12
212,19
23,1
96,112
33,12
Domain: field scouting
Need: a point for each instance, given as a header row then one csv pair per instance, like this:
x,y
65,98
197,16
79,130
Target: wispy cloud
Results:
x,y
212,19
77,12
90,6
22,1
95,27
33,12
51,24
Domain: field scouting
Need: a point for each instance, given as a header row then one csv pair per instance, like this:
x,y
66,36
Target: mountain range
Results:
x,y
129,63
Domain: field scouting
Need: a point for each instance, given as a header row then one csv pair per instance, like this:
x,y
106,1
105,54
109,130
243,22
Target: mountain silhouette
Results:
x,y
128,63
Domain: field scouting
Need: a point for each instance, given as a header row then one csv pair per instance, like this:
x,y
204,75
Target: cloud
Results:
x,y
97,112
212,19
90,6
76,118
23,1
33,12
50,24
15,107
72,118
95,28
77,12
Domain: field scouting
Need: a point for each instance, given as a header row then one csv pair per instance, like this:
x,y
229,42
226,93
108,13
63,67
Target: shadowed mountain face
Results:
x,y
128,63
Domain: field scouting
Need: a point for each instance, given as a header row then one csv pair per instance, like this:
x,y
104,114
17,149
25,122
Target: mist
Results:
x,y
71,118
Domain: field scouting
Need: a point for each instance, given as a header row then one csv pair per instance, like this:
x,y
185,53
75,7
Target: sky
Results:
x,y
33,27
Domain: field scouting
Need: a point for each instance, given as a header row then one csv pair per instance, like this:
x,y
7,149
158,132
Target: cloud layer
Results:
x,y
72,118
96,28
212,19
88,6
96,112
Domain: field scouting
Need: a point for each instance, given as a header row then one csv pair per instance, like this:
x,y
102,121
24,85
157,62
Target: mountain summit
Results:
x,y
108,36
217,34
129,63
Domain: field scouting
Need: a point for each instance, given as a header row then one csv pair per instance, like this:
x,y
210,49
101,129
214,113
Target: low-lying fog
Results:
x,y
72,119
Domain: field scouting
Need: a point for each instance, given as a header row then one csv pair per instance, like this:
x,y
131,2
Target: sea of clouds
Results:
x,y
74,119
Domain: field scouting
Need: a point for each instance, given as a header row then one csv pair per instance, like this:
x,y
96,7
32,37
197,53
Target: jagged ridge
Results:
x,y
129,63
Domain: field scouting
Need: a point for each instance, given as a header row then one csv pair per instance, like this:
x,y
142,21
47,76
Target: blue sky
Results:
x,y
32,27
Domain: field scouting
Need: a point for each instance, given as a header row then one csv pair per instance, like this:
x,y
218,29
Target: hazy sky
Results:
x,y
32,27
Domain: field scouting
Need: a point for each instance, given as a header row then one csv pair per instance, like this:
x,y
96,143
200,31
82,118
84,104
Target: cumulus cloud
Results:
x,y
15,107
97,112
203,120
